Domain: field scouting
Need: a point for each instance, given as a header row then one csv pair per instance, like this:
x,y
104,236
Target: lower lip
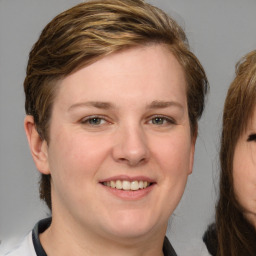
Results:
x,y
130,194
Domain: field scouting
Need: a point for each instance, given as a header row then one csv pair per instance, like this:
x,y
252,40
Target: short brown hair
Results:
x,y
236,236
91,30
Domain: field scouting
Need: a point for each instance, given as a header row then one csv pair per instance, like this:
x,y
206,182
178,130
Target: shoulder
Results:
x,y
210,239
167,248
26,248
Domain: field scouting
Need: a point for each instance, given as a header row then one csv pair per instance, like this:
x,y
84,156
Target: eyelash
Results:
x,y
252,137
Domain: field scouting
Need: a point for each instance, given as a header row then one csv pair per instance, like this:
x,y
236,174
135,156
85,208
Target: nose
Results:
x,y
131,146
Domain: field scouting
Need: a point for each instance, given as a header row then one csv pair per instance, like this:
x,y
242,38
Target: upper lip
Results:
x,y
128,178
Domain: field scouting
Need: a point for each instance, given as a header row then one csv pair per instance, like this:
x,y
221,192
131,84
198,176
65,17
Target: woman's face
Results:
x,y
244,170
120,145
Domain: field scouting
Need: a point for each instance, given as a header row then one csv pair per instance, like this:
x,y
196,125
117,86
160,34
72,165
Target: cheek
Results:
x,y
74,163
174,156
75,158
238,172
244,175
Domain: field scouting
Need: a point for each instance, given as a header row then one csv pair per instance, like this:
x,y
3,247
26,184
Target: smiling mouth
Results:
x,y
127,185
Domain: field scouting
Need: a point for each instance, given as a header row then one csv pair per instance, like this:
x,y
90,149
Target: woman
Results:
x,y
113,96
235,230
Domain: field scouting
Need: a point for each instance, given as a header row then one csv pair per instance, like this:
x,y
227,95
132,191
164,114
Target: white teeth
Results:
x,y
112,184
119,184
134,185
127,185
141,184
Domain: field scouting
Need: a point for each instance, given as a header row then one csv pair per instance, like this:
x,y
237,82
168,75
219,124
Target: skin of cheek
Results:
x,y
175,181
244,167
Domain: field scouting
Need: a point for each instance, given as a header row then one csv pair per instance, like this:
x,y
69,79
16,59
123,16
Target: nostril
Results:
x,y
136,161
132,161
131,147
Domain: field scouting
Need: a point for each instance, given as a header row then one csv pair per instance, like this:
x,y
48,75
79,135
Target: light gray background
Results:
x,y
219,31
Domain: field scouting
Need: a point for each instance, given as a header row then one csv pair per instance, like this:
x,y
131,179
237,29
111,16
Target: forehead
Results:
x,y
136,72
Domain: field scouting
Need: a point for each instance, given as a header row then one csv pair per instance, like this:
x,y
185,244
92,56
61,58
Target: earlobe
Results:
x,y
37,145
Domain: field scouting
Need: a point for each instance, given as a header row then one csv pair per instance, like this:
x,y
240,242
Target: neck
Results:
x,y
83,242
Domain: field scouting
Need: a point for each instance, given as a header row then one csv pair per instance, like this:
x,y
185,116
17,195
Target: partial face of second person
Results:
x,y
244,170
120,145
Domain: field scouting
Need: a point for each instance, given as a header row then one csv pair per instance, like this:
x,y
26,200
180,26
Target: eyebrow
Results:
x,y
96,104
157,104
164,104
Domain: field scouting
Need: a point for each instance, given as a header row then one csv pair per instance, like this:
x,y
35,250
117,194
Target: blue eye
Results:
x,y
158,120
161,120
94,121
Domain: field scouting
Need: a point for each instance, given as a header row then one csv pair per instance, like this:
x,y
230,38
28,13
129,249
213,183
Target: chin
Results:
x,y
130,233
130,227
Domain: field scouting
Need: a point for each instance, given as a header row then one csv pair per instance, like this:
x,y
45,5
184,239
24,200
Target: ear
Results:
x,y
192,152
38,146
